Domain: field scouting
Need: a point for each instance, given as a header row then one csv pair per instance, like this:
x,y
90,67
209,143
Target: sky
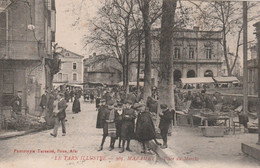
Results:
x,y
67,12
71,37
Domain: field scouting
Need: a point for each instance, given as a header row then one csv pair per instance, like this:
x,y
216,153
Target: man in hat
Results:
x,y
16,103
119,119
128,122
108,117
165,121
43,103
101,110
60,106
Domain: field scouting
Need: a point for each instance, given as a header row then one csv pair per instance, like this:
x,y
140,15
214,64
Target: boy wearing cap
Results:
x,y
128,122
60,106
108,117
165,121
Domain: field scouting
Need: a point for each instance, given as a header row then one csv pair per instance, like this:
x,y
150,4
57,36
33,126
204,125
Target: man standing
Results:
x,y
59,115
43,103
49,118
71,94
165,121
128,122
16,103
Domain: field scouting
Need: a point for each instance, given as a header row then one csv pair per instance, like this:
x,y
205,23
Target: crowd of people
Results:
x,y
126,117
123,116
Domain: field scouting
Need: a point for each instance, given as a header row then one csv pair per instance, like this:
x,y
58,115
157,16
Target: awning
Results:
x,y
131,83
58,84
197,80
226,79
94,83
75,85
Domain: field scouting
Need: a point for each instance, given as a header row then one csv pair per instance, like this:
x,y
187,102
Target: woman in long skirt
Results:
x,y
145,130
76,105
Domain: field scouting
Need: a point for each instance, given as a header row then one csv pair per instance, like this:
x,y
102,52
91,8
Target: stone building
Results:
x,y
102,69
71,69
27,30
196,54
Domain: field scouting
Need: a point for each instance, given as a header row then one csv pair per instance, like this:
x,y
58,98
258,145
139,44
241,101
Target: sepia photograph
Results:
x,y
129,83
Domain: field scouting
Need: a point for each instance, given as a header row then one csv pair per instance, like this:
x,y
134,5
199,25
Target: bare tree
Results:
x,y
227,17
112,31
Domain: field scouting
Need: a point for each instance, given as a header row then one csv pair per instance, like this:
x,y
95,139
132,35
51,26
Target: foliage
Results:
x,y
23,123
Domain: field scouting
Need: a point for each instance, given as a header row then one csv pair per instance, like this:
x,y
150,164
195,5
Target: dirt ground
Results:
x,y
198,151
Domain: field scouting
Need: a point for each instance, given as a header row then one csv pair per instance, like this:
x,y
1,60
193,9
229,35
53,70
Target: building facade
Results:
x,y
27,31
195,53
71,69
102,69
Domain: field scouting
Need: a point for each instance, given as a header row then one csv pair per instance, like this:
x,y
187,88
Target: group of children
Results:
x,y
127,120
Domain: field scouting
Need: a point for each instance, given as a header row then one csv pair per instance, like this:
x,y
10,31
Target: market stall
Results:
x,y
226,81
196,83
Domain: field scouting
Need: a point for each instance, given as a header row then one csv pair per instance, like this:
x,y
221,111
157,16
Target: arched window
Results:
x,y
208,73
191,74
177,75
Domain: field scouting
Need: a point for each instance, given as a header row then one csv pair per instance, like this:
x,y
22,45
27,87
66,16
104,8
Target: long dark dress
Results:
x,y
145,129
76,106
101,116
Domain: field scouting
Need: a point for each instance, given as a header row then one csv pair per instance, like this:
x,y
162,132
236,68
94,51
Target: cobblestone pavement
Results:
x,y
77,149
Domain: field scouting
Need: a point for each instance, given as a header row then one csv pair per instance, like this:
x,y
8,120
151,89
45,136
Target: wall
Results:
x,y
67,69
28,77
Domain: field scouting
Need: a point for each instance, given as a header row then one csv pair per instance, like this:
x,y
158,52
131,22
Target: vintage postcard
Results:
x,y
129,83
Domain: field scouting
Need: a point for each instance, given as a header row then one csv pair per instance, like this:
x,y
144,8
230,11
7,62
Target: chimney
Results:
x,y
196,28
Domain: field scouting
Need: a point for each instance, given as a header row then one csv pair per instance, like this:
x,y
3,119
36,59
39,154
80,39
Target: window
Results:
x,y
59,77
191,53
177,53
49,18
74,65
250,75
75,77
67,54
53,5
208,52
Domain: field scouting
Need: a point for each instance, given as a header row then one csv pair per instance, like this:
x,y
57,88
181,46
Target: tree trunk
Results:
x,y
148,50
225,50
138,63
166,90
237,50
124,71
127,60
